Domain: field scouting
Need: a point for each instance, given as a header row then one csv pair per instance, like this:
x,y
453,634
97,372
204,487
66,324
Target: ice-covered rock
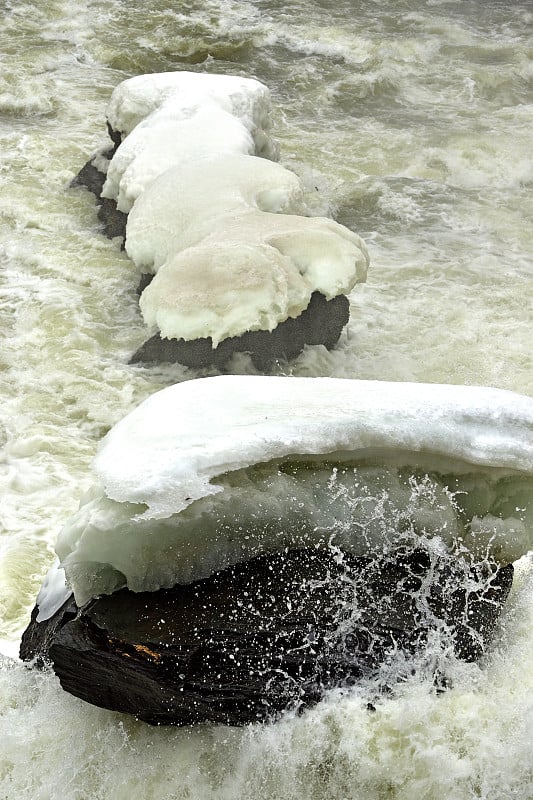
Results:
x,y
159,143
184,93
320,323
212,472
262,271
188,203
231,254
224,231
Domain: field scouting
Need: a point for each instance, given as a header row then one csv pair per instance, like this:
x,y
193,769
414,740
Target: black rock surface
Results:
x,y
266,635
113,221
38,636
321,323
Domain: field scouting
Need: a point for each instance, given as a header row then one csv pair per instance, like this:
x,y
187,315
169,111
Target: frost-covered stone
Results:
x,y
212,472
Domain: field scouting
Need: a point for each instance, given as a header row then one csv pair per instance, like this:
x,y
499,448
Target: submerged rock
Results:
x,y
269,634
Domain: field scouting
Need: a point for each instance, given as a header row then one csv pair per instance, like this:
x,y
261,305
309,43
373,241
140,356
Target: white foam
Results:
x,y
213,471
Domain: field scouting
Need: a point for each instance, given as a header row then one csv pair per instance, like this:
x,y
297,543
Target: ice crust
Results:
x,y
213,471
223,230
53,592
169,451
183,94
187,202
159,143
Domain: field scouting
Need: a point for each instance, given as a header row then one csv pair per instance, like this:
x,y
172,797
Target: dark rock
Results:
x,y
271,633
145,280
38,636
116,138
321,323
91,178
113,221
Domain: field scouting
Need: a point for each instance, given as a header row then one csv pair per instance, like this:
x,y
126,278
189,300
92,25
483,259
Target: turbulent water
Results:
x,y
409,122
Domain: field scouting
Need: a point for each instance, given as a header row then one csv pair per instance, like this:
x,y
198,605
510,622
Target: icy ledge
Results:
x,y
211,472
224,232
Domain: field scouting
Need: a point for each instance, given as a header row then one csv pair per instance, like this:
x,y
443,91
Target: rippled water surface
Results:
x,y
409,122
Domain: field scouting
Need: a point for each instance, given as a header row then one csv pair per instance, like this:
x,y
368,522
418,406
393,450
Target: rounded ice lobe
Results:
x,y
170,449
159,143
169,118
230,252
211,472
184,93
262,271
222,290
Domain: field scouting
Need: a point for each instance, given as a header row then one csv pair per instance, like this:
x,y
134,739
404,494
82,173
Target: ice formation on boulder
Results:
x,y
168,118
211,472
224,231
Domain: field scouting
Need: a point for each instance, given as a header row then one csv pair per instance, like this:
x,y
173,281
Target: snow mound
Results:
x,y
213,471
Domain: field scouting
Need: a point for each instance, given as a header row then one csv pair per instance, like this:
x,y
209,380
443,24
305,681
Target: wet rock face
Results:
x,y
321,323
266,635
112,220
39,636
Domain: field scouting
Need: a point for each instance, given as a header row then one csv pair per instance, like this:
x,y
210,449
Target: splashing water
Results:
x,y
411,124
